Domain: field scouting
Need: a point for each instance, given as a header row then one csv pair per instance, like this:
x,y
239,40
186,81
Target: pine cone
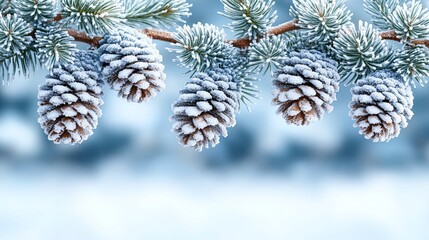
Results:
x,y
70,99
205,109
306,86
381,105
132,65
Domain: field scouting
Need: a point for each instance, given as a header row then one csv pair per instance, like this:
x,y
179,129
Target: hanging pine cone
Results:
x,y
305,86
381,105
70,99
205,109
132,65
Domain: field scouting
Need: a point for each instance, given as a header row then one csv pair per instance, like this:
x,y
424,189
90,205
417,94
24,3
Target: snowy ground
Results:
x,y
155,206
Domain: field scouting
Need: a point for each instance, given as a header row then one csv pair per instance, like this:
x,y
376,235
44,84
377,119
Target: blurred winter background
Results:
x,y
132,180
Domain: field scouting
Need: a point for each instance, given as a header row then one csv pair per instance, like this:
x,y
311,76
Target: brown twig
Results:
x,y
391,35
83,37
283,28
159,35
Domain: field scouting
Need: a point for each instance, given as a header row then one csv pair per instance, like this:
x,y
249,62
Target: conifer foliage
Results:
x,y
306,58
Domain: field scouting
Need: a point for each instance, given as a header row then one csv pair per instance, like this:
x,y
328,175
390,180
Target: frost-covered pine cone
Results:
x,y
205,109
381,105
132,65
70,100
305,86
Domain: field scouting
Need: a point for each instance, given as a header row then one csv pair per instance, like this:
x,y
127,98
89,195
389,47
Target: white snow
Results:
x,y
307,90
188,129
198,136
69,124
136,77
377,96
204,95
69,98
386,118
139,65
131,51
200,122
205,106
193,111
143,84
80,108
212,121
56,100
77,86
67,78
293,94
129,59
218,105
293,110
68,111
386,106
374,120
296,80
390,97
106,57
305,105
60,89
362,98
373,110
125,73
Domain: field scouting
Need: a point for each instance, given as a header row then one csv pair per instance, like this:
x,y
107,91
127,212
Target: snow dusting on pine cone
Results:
x,y
205,109
381,105
305,86
132,65
70,100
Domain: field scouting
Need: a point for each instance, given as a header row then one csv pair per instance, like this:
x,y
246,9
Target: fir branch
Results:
x,y
166,13
93,16
35,10
200,46
166,36
55,47
250,18
12,64
381,12
413,63
360,51
267,53
169,36
14,34
5,7
410,20
321,20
